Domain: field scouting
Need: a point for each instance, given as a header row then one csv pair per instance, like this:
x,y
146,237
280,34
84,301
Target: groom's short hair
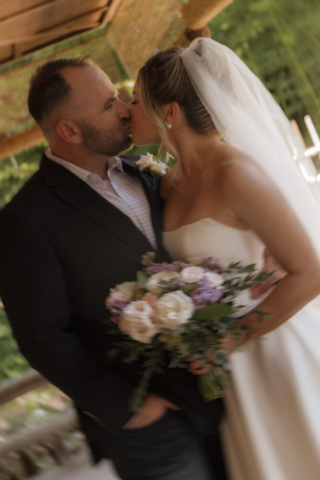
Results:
x,y
48,87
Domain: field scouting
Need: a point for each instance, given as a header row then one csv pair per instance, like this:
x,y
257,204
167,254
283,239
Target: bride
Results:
x,y
235,191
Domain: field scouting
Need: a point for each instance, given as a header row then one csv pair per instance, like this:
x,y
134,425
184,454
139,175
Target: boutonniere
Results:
x,y
152,166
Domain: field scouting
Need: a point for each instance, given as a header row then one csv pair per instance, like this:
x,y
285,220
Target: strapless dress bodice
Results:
x,y
209,238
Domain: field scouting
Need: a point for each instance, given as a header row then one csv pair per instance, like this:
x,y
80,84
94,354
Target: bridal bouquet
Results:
x,y
177,310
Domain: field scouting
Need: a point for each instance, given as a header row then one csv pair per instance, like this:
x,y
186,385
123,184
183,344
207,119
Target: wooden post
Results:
x,y
21,141
197,13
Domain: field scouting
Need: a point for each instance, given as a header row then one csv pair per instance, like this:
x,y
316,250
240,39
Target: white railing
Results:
x,y
48,434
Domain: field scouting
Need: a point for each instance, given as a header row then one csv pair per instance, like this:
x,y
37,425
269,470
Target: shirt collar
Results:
x,y
111,164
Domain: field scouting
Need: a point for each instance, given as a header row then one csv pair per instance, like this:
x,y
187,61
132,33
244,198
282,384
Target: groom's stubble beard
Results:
x,y
106,142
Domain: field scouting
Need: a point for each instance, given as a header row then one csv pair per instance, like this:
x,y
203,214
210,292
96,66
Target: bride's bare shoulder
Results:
x,y
235,165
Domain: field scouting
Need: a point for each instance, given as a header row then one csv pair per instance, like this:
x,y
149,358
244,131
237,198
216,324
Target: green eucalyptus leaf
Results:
x,y
142,279
216,310
188,288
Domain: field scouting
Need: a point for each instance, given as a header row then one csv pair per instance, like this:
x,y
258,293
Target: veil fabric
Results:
x,y
248,118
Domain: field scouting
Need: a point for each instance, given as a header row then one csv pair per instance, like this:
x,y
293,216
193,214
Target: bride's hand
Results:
x,y
200,366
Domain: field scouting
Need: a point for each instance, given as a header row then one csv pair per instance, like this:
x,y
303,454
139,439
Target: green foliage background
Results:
x,y
278,39
12,177
12,363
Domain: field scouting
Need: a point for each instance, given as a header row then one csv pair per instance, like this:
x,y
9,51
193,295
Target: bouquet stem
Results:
x,y
211,384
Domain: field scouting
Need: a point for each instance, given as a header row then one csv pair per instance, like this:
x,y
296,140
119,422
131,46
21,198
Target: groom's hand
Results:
x,y
270,265
152,410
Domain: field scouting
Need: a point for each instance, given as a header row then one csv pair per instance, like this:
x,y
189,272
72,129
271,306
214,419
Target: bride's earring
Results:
x,y
168,125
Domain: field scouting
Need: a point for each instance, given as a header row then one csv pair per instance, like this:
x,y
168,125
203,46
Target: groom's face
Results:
x,y
100,116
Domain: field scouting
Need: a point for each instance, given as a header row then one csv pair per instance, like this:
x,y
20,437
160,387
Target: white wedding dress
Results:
x,y
271,429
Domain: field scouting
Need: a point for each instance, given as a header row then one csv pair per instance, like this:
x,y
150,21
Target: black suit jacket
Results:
x,y
62,247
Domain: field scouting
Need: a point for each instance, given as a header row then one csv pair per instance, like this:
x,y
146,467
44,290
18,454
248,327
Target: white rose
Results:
x,y
145,162
159,168
153,284
191,274
121,293
137,322
174,309
215,280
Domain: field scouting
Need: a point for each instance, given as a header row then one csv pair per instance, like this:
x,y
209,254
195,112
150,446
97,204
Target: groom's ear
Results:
x,y
170,111
69,131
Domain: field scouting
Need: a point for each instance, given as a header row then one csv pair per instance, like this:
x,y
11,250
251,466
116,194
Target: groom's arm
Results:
x,y
34,293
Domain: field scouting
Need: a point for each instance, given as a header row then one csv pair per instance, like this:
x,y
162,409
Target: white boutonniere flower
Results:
x,y
152,166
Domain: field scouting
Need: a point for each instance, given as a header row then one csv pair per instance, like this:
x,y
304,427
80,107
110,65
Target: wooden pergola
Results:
x,y
33,31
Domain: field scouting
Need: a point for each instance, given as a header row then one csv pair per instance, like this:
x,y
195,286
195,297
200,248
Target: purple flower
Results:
x,y
160,267
117,311
204,294
212,264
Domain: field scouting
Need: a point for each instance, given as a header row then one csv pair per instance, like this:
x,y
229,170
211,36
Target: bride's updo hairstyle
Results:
x,y
164,79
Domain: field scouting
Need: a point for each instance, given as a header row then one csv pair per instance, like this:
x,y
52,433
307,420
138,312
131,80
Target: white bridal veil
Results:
x,y
247,117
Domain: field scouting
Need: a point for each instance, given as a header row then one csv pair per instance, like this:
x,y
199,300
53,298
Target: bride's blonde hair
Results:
x,y
164,79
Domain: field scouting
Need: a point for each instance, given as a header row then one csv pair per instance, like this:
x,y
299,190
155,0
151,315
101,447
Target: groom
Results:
x,y
75,230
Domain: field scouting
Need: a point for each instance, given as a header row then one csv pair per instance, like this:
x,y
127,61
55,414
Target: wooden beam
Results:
x,y
50,15
6,52
53,49
21,141
85,22
8,8
11,389
197,13
112,10
65,43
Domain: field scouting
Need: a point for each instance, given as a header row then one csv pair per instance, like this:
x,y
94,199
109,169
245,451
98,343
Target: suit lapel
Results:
x,y
83,198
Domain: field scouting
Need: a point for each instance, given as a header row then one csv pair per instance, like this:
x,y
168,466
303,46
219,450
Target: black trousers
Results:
x,y
168,449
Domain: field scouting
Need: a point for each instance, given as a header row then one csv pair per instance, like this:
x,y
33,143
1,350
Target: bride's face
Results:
x,y
144,132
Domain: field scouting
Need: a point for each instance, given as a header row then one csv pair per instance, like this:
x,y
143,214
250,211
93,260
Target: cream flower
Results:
x,y
153,285
137,322
145,162
191,274
159,168
121,293
148,161
215,280
173,309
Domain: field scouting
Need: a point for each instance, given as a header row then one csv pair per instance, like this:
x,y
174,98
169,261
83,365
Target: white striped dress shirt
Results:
x,y
124,191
